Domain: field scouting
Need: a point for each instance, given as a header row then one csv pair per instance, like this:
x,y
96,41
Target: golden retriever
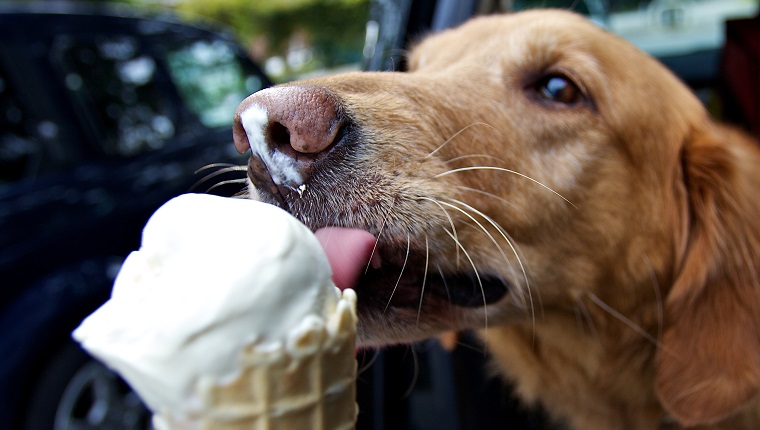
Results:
x,y
543,181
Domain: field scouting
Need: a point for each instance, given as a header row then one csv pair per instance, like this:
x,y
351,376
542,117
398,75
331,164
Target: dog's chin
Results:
x,y
379,327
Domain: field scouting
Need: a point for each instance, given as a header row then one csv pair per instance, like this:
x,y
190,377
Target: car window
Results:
x,y
30,132
116,84
211,79
20,151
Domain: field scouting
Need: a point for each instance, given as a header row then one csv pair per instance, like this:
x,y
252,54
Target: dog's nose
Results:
x,y
296,121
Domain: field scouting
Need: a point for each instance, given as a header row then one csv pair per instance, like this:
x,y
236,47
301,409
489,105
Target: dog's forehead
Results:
x,y
539,36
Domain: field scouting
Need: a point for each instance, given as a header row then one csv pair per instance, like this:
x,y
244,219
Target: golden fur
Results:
x,y
626,221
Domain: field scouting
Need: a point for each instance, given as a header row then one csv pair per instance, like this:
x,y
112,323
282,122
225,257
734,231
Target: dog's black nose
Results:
x,y
288,128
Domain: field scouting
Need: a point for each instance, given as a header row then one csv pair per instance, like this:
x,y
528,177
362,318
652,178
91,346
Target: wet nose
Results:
x,y
295,121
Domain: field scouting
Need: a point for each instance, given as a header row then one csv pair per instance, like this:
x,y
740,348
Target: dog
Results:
x,y
540,180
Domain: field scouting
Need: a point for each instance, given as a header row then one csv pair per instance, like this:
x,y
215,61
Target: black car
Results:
x,y
104,115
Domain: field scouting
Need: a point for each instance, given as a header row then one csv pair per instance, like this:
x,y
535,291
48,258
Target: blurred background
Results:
x,y
110,108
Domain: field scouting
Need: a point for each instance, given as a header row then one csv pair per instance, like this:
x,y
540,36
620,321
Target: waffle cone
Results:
x,y
306,384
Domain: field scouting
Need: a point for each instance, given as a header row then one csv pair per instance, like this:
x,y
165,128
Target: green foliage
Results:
x,y
334,28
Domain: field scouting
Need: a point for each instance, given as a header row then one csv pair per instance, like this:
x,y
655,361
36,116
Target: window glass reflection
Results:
x,y
211,79
130,113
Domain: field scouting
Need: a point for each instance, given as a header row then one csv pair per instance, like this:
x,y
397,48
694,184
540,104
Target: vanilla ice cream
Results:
x,y
213,276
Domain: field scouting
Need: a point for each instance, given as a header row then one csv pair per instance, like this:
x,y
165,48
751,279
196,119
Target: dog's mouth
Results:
x,y
389,286
373,269
386,271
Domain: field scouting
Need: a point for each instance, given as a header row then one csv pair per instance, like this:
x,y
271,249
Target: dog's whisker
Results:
x,y
224,168
223,183
477,277
415,373
424,279
512,246
242,194
502,169
374,247
368,364
457,134
480,226
403,267
451,223
486,193
471,347
464,157
589,321
475,270
445,284
484,229
622,318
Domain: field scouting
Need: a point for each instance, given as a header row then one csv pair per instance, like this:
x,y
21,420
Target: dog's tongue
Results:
x,y
349,252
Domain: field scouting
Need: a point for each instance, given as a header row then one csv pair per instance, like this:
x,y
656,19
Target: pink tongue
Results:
x,y
349,252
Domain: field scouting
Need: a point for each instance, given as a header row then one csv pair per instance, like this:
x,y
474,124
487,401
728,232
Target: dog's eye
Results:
x,y
559,89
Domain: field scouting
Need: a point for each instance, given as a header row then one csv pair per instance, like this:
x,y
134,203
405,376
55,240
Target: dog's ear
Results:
x,y
708,365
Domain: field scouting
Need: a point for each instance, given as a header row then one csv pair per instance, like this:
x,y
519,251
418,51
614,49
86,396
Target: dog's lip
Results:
x,y
355,258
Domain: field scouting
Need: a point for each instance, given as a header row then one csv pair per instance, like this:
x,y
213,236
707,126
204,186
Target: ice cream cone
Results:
x,y
240,328
308,383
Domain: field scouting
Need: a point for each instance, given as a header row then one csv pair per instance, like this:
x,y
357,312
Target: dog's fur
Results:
x,y
625,222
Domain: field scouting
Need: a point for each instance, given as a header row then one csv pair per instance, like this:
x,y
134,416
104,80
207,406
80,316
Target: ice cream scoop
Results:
x,y
213,276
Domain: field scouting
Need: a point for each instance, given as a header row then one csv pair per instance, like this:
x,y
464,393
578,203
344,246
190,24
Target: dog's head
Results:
x,y
525,162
